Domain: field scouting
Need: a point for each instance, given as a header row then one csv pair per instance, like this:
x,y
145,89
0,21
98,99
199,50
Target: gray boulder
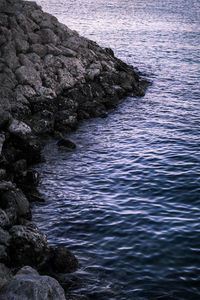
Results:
x,y
27,284
19,128
28,75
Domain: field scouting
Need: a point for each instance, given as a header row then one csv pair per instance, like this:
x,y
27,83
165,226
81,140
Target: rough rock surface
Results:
x,y
27,284
50,79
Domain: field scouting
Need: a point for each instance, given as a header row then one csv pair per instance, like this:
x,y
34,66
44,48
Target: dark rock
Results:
x,y
28,75
20,168
4,237
67,144
64,119
39,49
6,186
109,51
32,178
19,128
12,217
17,200
4,219
5,275
64,261
4,258
3,174
28,245
27,284
2,140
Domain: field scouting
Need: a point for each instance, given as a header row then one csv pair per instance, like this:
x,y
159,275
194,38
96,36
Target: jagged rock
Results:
x,y
48,36
64,261
39,49
12,216
2,140
22,46
27,284
5,275
28,245
6,185
4,237
2,174
4,258
19,129
28,75
20,167
17,200
64,119
4,219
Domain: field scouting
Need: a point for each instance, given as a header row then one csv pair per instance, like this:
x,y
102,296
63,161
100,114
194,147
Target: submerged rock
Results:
x,y
64,261
67,144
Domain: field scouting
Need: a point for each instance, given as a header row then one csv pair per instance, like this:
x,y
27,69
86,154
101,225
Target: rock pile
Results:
x,y
50,79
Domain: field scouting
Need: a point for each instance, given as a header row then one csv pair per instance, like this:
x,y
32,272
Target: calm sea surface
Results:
x,y
127,200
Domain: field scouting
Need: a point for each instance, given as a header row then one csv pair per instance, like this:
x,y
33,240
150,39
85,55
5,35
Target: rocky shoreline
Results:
x,y
50,79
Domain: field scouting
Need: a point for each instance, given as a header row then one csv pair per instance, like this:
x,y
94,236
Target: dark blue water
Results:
x,y
127,200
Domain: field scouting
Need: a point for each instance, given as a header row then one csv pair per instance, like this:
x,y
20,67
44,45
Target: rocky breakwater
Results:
x,y
50,79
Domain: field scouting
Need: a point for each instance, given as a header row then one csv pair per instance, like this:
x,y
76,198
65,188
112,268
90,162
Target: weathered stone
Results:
x,y
10,56
3,254
6,185
25,61
5,275
34,38
17,200
2,174
4,219
39,49
28,75
92,73
51,49
28,245
4,237
34,58
43,122
27,284
46,93
12,217
65,118
48,36
22,46
26,24
67,52
27,91
19,128
8,79
2,140
64,261
20,167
